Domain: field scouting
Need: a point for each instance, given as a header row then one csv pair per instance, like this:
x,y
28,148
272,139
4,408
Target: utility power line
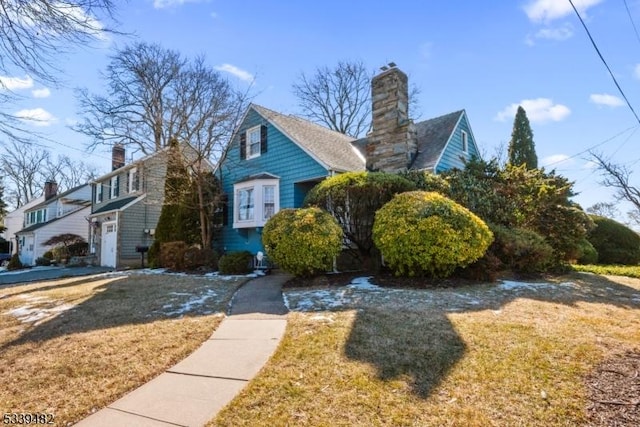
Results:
x,y
595,46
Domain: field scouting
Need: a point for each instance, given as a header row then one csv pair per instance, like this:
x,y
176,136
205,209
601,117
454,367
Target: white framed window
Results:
x,y
253,142
465,142
268,201
98,193
132,180
246,204
255,202
114,190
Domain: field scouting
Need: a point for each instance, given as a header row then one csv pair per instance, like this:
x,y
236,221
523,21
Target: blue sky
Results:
x,y
485,57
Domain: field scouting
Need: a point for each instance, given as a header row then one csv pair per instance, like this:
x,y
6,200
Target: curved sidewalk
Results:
x,y
192,392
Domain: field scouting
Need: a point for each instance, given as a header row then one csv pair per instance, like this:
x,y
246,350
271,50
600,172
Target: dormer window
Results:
x,y
253,142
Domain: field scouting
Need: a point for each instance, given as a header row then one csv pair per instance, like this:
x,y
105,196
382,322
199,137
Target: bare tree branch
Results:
x,y
339,98
618,177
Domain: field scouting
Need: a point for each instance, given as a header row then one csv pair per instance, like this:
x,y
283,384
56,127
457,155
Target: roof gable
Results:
x,y
331,149
433,137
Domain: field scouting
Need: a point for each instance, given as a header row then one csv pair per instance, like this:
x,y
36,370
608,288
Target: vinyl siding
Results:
x,y
453,154
283,159
73,223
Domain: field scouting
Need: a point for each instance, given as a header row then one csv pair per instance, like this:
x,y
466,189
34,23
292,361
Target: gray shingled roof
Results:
x,y
331,148
433,135
118,204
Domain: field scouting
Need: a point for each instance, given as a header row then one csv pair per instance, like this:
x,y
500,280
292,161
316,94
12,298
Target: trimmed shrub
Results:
x,y
48,255
588,254
195,257
353,199
521,250
172,255
14,263
615,242
43,261
427,181
424,233
236,263
302,242
78,249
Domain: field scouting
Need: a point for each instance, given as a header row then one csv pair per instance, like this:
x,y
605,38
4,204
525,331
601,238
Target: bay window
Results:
x,y
256,201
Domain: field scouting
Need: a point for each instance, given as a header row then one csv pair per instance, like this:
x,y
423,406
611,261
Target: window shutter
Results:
x,y
224,202
116,191
263,139
243,145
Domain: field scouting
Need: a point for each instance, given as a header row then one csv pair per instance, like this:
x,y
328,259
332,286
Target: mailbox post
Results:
x,y
142,250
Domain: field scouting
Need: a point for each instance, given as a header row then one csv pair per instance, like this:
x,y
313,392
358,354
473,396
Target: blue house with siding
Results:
x,y
273,160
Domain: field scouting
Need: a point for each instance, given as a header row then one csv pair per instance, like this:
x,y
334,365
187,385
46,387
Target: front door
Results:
x,y
108,245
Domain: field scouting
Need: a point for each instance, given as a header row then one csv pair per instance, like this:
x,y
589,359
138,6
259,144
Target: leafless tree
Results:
x,y
155,95
338,97
27,167
605,209
33,34
618,177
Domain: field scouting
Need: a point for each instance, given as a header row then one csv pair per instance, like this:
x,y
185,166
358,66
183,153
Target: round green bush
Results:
x,y
424,233
587,253
302,242
353,199
615,242
521,250
236,263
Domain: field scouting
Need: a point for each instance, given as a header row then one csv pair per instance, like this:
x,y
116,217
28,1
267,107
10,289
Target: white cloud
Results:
x,y
16,83
538,110
556,159
590,165
238,72
606,100
549,10
37,117
163,4
41,93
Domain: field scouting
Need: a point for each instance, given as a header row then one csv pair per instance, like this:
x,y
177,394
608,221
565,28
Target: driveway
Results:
x,y
47,273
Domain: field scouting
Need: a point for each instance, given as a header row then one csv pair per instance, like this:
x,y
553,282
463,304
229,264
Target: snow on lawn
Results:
x,y
32,312
362,292
193,303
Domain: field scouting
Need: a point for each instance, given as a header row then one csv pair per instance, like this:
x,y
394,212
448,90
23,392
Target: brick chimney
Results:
x,y
392,142
50,189
117,157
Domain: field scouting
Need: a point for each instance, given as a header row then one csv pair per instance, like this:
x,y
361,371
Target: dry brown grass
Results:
x,y
99,337
472,356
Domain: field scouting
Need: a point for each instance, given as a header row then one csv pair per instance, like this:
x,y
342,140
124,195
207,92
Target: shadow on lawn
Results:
x,y
122,300
421,343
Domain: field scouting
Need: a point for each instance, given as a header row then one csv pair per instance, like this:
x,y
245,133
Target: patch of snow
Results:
x,y
180,293
322,318
191,304
364,284
27,270
29,314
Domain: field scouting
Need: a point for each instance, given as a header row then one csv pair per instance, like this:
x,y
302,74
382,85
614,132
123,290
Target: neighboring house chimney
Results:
x,y
117,157
392,142
50,189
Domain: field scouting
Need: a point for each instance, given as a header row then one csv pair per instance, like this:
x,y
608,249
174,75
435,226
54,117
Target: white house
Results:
x,y
57,214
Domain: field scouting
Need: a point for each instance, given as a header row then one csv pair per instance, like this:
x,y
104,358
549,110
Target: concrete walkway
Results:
x,y
192,392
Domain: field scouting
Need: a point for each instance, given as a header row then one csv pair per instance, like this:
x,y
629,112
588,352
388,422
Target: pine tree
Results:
x,y
178,221
521,147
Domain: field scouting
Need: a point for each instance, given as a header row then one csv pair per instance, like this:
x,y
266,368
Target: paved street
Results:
x,y
47,273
